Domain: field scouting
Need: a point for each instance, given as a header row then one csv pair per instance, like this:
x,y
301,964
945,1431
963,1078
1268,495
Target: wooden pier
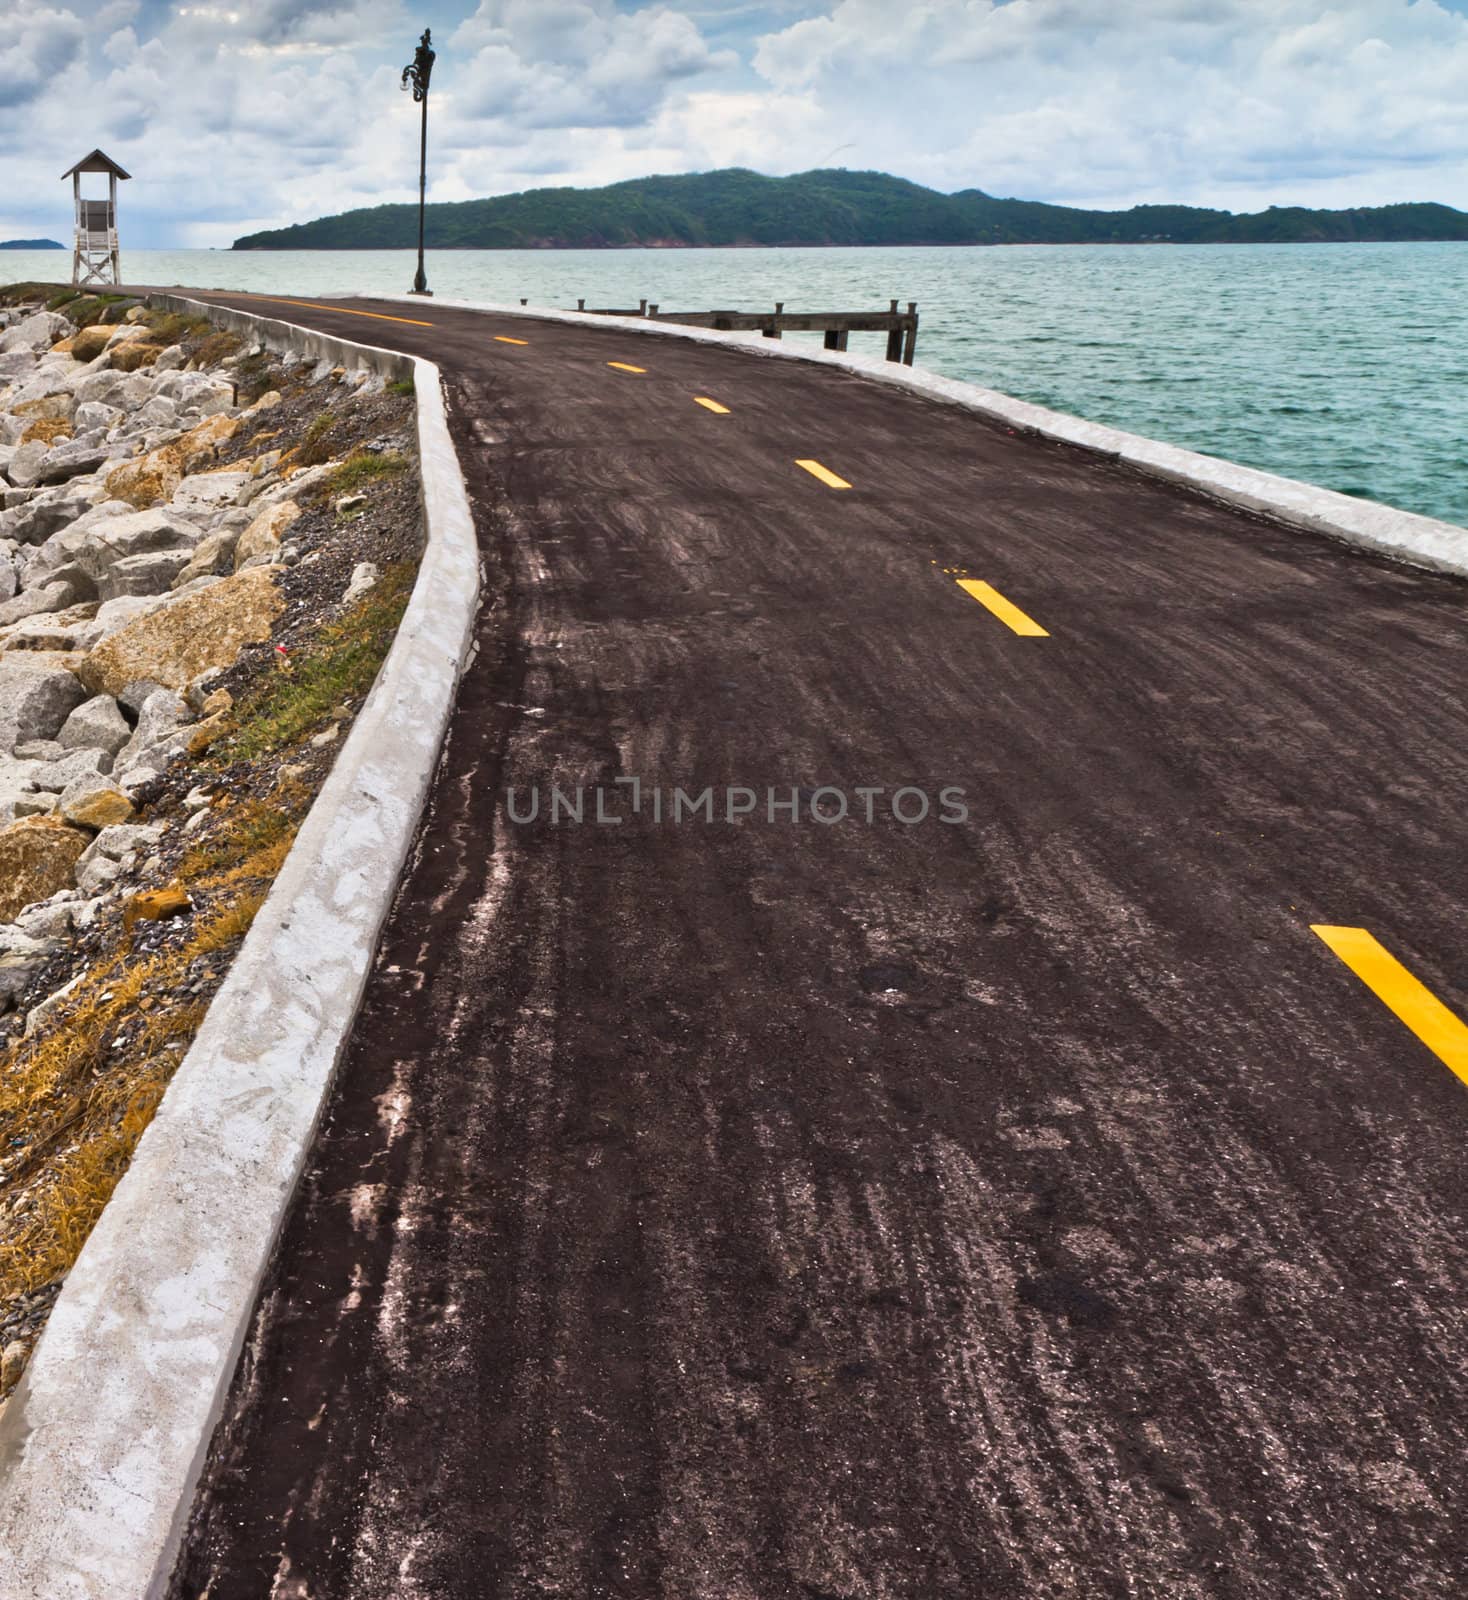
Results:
x,y
901,327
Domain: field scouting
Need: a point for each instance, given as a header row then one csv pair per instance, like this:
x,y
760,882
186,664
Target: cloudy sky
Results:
x,y
239,114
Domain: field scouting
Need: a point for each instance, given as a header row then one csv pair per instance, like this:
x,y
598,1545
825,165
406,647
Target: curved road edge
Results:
x,y
1404,535
102,1442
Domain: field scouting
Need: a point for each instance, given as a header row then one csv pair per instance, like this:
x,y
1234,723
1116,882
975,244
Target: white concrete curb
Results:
x,y
1422,541
102,1442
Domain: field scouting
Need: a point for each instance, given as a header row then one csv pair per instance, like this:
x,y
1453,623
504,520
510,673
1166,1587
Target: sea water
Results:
x,y
1342,365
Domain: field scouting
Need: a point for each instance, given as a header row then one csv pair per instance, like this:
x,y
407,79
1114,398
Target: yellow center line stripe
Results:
x,y
504,338
1414,1003
825,474
312,305
1009,614
711,405
622,366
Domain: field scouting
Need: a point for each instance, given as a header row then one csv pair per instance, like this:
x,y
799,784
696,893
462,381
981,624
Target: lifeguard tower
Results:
x,y
95,258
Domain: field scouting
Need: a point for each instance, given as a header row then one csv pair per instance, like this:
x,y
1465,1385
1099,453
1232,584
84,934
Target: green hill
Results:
x,y
739,207
30,244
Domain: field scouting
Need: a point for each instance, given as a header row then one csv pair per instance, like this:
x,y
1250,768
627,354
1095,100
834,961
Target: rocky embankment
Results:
x,y
204,552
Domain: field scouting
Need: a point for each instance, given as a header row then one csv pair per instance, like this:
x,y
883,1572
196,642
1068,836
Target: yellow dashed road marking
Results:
x,y
825,474
313,305
504,338
711,405
622,366
1010,615
1444,1033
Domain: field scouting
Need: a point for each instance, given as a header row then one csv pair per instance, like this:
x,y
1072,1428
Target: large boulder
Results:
x,y
209,491
94,802
152,478
24,470
189,636
263,535
21,958
55,594
92,414
96,724
213,556
37,857
36,697
135,354
161,734
196,390
35,333
127,390
97,546
48,511
66,461
91,342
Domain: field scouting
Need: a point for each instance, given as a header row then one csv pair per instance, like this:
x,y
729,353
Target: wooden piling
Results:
x,y
837,326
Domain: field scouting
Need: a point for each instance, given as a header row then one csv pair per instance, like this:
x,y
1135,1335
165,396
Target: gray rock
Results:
x,y
56,595
114,614
296,486
38,1016
96,874
136,694
49,919
9,578
40,750
37,332
21,959
94,414
97,544
161,733
40,804
364,576
46,513
123,838
159,412
208,490
171,359
68,461
213,556
25,465
143,575
55,775
129,390
34,700
96,724
78,797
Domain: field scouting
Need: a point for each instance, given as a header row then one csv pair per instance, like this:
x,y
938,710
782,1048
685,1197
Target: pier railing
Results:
x,y
901,327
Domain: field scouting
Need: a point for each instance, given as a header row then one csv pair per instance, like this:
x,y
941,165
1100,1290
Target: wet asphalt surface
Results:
x,y
1030,1206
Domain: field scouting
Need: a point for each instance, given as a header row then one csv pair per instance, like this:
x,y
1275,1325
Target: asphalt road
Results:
x,y
768,1210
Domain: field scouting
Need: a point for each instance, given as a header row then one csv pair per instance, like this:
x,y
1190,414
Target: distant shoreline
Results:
x,y
903,244
736,209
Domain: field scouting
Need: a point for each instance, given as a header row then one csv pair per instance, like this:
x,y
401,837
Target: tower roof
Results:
x,y
97,162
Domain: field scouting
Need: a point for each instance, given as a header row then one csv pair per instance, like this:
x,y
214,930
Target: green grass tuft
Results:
x,y
363,467
291,705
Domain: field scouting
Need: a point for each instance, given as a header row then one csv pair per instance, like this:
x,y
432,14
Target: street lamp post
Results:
x,y
416,77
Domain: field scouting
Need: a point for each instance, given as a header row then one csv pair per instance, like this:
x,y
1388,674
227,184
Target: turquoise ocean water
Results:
x,y
1343,365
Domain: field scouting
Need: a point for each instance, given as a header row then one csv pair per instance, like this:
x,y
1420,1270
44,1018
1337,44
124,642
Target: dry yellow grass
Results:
x,y
78,1101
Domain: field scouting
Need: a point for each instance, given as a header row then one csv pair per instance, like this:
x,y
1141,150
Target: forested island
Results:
x,y
739,207
30,244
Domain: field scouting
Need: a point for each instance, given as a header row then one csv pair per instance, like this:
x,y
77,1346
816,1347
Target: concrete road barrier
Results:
x,y
102,1443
